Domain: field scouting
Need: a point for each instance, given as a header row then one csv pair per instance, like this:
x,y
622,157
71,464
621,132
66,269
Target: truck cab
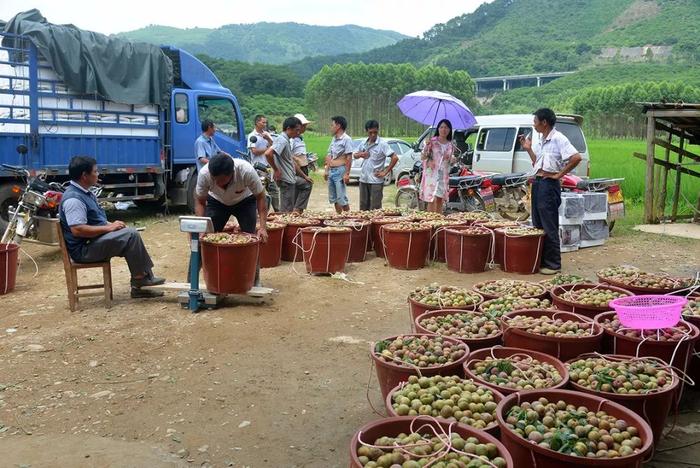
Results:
x,y
198,95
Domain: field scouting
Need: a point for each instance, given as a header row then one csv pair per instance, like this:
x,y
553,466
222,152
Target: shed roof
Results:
x,y
681,115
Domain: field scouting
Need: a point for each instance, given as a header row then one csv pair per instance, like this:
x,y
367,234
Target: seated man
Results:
x,y
90,238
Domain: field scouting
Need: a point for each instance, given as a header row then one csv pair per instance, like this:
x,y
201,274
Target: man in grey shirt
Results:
x,y
286,169
374,150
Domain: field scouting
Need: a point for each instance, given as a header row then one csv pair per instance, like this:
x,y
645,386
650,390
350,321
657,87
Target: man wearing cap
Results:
x,y
286,170
303,186
257,148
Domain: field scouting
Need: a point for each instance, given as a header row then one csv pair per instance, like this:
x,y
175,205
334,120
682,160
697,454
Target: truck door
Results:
x,y
494,150
223,111
185,128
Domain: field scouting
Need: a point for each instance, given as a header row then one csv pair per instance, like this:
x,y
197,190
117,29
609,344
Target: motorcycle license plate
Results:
x,y
615,197
489,201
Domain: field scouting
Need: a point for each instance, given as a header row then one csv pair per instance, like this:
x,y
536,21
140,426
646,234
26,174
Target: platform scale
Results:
x,y
191,296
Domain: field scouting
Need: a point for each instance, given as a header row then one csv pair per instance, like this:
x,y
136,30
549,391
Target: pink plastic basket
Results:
x,y
649,312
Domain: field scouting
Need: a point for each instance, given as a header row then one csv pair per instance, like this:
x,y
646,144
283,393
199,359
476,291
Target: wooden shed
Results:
x,y
671,127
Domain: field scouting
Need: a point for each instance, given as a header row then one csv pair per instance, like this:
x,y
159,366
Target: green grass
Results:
x,y
613,158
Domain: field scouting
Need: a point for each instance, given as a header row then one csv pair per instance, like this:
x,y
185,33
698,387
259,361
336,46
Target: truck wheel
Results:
x,y
7,198
191,185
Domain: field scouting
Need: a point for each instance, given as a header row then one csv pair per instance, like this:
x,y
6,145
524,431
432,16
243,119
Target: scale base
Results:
x,y
207,300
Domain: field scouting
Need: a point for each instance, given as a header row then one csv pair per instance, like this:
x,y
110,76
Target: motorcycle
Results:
x,y
507,194
462,191
264,171
36,207
312,158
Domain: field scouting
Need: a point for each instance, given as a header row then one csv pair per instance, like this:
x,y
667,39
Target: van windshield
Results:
x,y
573,133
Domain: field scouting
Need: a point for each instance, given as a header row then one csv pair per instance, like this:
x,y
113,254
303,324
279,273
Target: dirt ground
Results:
x,y
149,384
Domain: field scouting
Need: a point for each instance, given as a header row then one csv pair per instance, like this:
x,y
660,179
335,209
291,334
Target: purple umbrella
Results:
x,y
429,107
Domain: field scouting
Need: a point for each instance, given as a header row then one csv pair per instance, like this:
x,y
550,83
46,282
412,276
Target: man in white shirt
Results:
x,y
374,150
338,161
228,187
552,158
257,148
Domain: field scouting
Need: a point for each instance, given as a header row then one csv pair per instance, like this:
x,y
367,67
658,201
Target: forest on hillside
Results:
x,y
501,37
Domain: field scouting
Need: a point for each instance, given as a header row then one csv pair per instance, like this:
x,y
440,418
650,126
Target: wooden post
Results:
x,y
664,180
649,214
677,187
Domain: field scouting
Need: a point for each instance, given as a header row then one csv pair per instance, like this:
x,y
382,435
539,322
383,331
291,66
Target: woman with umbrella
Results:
x,y
427,107
437,157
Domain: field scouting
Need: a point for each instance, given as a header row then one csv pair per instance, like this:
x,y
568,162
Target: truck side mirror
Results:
x,y
22,149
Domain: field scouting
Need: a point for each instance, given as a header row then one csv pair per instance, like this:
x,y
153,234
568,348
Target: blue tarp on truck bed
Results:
x,y
91,63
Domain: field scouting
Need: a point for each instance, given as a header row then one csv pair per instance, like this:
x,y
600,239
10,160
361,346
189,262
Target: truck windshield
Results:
x,y
221,112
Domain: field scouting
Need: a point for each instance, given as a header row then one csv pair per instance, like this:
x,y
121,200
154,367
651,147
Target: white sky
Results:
x,y
410,17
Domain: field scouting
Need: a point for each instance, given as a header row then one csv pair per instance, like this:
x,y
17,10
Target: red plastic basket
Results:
x,y
649,312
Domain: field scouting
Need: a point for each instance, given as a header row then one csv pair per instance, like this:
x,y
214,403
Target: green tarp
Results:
x,y
94,64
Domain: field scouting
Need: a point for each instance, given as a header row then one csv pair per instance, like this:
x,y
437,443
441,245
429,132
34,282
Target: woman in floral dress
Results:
x,y
437,156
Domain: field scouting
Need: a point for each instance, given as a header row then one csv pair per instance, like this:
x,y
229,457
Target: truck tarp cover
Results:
x,y
91,63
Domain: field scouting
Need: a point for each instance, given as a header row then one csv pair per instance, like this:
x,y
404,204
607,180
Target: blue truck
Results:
x,y
145,153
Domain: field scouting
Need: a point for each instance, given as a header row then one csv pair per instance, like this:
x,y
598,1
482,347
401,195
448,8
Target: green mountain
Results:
x,y
507,37
273,43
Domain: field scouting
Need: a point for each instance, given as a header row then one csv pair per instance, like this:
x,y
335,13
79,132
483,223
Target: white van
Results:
x,y
492,146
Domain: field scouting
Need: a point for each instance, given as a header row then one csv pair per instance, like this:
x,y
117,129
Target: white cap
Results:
x,y
302,118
